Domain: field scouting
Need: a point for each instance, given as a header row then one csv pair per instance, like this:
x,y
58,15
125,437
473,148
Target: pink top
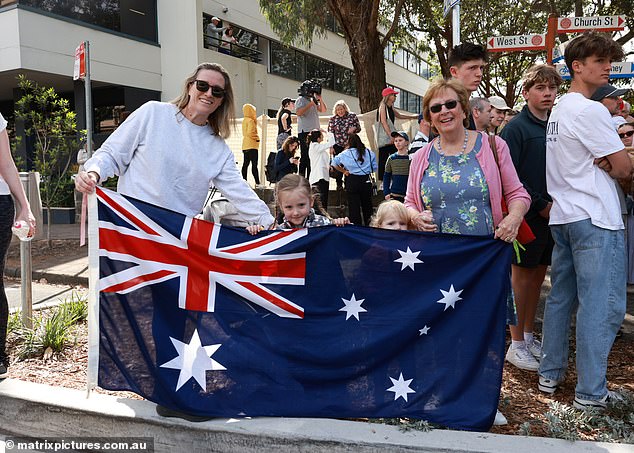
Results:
x,y
513,188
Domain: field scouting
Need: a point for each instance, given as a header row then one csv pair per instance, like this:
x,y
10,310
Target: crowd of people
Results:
x,y
474,167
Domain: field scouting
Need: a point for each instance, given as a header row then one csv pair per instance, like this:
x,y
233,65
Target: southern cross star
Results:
x,y
424,330
400,387
408,259
193,360
450,298
352,307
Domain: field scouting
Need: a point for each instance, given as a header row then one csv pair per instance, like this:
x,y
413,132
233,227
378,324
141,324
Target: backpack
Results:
x,y
269,168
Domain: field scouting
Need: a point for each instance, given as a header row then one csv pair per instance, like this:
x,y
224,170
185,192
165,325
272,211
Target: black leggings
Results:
x,y
250,155
359,191
304,161
7,212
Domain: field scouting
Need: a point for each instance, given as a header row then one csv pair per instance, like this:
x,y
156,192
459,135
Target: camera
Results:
x,y
309,88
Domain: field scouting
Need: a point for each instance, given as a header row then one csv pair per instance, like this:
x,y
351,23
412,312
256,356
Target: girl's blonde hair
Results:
x,y
387,207
222,120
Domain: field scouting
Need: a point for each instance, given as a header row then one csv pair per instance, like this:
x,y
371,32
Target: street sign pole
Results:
x,y
455,19
551,34
88,100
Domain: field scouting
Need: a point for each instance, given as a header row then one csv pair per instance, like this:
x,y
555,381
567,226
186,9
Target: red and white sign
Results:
x,y
599,23
518,42
79,72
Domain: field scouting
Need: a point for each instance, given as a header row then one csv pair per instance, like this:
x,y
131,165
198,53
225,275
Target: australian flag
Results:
x,y
325,322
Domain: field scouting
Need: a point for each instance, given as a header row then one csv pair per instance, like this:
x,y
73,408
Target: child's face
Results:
x,y
392,221
296,206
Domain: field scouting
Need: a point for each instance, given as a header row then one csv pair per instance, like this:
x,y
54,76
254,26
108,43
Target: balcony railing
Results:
x,y
233,49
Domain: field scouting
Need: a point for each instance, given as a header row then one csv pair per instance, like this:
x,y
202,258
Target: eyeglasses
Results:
x,y
626,134
450,105
216,92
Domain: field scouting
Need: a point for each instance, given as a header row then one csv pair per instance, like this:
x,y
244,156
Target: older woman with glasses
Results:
x,y
454,184
170,154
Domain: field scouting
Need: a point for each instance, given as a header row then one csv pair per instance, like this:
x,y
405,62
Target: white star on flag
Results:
x,y
352,307
450,298
408,259
400,387
424,330
193,360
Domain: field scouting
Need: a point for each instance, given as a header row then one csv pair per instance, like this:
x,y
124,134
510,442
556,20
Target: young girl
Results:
x,y
391,215
295,199
319,155
250,142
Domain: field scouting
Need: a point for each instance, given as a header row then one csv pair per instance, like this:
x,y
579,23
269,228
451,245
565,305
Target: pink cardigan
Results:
x,y
513,188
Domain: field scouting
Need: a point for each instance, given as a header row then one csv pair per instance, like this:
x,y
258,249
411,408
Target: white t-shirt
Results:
x,y
580,130
319,155
4,188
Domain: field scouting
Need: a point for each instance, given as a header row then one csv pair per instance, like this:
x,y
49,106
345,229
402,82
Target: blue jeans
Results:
x,y
588,275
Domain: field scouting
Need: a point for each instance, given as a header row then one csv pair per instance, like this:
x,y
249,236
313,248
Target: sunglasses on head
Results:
x,y
203,87
626,134
450,105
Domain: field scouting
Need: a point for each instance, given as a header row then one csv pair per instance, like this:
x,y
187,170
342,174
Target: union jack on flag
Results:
x,y
323,322
193,256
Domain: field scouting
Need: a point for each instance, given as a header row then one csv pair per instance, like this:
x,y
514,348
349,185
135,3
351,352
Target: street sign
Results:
x,y
620,70
517,42
598,23
558,53
448,5
79,71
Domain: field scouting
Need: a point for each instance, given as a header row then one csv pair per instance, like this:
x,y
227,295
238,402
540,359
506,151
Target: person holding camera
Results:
x,y
308,106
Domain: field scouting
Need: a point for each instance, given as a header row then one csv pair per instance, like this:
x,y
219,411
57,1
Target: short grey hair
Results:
x,y
478,103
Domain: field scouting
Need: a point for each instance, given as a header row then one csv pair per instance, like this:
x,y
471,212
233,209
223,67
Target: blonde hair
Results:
x,y
441,85
341,103
222,120
388,207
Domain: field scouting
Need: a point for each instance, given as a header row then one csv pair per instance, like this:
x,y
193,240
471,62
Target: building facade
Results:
x,y
143,49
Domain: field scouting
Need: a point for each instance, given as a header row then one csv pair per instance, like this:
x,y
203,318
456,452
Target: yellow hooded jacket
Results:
x,y
250,138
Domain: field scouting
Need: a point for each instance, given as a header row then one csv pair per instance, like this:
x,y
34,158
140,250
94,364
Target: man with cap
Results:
x,y
610,97
423,135
214,33
386,116
397,169
498,112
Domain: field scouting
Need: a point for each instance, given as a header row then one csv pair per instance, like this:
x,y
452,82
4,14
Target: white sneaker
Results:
x,y
601,404
547,385
521,358
535,348
500,419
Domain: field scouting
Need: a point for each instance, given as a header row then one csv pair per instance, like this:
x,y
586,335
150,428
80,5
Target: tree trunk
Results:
x,y
358,21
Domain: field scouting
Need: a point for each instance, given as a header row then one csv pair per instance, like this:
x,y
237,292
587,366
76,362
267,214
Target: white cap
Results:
x,y
498,103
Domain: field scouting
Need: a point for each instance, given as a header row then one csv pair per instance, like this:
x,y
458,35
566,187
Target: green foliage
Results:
x,y
53,329
14,322
53,125
614,424
295,21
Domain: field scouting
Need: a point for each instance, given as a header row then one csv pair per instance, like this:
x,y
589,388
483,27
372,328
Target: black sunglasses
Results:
x,y
626,134
450,105
203,87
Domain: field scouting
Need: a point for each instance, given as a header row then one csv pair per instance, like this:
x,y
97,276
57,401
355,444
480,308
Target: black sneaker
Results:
x,y
167,412
4,371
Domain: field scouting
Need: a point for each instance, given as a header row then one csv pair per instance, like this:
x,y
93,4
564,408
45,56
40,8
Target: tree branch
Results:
x,y
395,21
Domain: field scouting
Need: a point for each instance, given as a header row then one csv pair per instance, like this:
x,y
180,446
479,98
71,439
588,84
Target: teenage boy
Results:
x,y
526,137
588,270
466,63
397,169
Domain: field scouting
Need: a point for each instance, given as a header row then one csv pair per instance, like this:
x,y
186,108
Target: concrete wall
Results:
x,y
9,40
48,45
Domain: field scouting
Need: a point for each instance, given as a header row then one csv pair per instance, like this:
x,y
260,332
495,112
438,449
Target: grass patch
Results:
x,y
52,329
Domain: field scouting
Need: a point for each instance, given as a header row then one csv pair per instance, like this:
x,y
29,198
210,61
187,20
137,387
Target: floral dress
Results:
x,y
455,190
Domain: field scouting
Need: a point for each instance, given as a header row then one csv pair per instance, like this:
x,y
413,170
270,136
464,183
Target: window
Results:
x,y
321,70
135,17
345,81
284,61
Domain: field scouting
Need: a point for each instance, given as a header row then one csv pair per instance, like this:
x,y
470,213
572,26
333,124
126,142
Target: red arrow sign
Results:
x,y
598,23
517,42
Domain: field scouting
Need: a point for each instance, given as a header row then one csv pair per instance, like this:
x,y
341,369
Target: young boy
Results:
x,y
397,169
588,271
526,137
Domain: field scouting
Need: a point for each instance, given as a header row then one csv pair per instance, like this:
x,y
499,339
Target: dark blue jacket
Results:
x,y
526,137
